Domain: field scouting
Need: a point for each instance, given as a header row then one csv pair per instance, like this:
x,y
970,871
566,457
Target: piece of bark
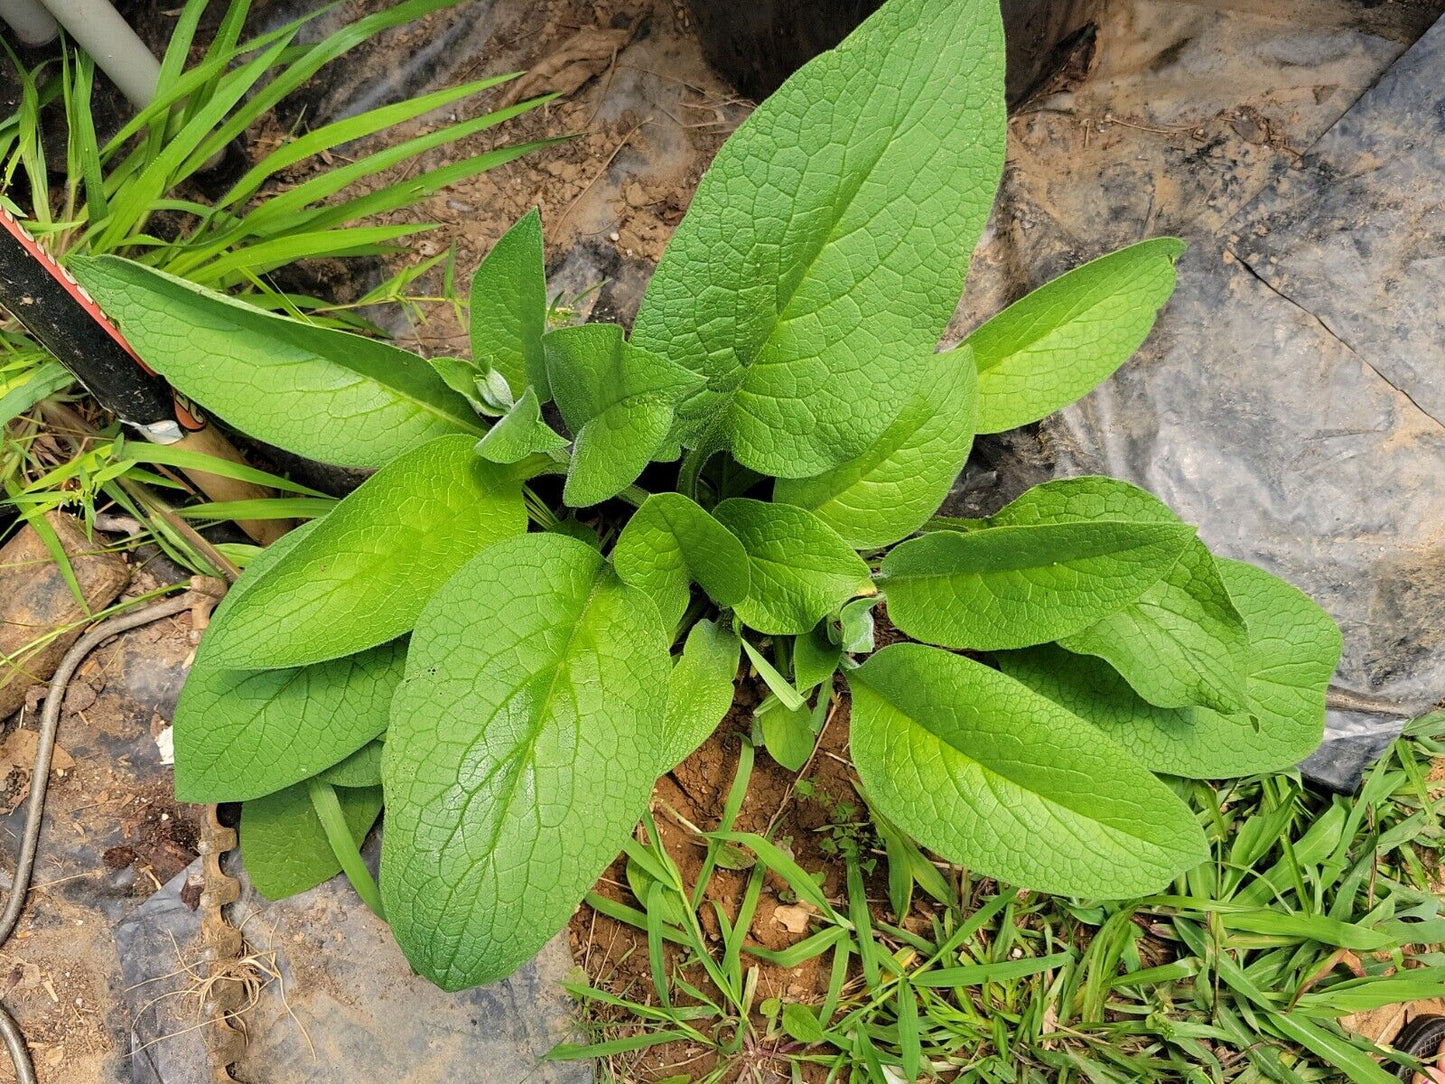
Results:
x,y
35,601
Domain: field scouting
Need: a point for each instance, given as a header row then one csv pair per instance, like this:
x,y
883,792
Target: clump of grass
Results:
x,y
1312,907
138,194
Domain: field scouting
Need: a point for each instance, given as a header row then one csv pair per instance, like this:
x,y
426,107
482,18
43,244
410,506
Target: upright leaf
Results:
x,y
284,846
519,433
800,568
1197,743
699,692
520,753
825,249
244,733
1012,586
815,657
890,490
1182,642
670,542
348,399
617,400
1294,647
989,774
787,732
1294,644
363,574
509,308
1051,347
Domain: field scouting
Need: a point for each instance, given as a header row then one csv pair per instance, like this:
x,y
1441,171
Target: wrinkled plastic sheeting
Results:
x,y
345,1007
1291,401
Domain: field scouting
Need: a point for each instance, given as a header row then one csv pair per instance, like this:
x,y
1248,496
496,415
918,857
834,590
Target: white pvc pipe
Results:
x,y
98,29
32,24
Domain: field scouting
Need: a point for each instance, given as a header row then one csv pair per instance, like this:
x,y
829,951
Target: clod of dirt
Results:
x,y
17,760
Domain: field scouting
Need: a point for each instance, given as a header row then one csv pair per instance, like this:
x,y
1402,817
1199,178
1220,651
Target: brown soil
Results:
x,y
640,119
614,955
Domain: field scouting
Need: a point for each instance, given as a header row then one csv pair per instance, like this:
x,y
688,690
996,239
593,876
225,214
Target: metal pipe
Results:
x,y
98,29
32,24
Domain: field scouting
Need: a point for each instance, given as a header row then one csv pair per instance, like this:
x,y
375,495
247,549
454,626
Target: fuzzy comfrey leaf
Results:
x,y
993,776
699,692
1020,584
671,542
1055,344
520,432
509,309
800,568
520,753
1182,642
361,576
377,401
618,401
888,491
824,251
284,845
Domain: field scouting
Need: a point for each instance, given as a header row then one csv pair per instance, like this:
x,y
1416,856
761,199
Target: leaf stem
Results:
x,y
691,469
328,811
634,495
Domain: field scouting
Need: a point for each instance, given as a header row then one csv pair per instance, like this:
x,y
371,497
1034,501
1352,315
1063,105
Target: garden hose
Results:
x,y
10,1032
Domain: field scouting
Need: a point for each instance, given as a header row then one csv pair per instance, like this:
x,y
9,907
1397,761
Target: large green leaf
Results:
x,y
617,400
1182,642
1011,586
325,394
244,733
800,568
509,308
1294,647
991,775
363,574
520,754
284,846
699,692
1052,346
825,249
670,542
890,490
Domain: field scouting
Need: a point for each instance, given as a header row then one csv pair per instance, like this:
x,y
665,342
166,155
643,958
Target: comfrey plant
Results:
x,y
511,694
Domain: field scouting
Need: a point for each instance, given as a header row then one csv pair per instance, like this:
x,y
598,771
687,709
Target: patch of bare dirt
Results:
x,y
805,822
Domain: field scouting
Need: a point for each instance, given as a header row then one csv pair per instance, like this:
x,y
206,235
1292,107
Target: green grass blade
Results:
x,y
1001,971
295,200
224,44
267,255
132,205
338,834
172,456
627,1045
344,131
262,508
